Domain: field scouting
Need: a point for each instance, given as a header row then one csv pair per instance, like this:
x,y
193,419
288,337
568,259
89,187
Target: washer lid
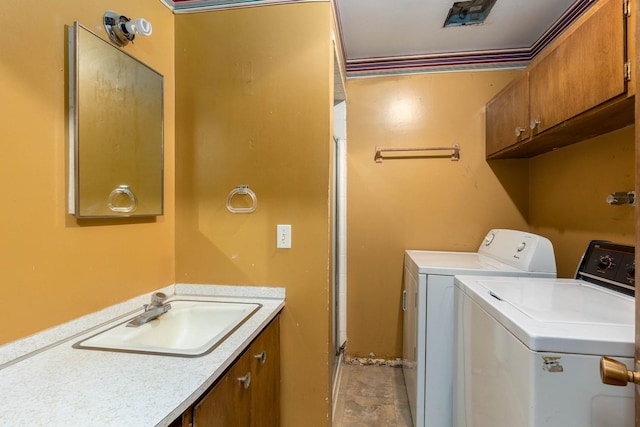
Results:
x,y
558,315
452,263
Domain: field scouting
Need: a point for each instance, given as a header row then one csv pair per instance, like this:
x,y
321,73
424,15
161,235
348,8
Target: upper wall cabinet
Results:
x,y
574,91
508,116
584,71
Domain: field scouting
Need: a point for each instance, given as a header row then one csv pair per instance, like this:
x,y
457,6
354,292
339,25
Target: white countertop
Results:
x,y
44,381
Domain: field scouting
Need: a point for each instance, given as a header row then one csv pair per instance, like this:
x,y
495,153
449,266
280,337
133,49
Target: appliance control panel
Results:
x,y
608,264
526,251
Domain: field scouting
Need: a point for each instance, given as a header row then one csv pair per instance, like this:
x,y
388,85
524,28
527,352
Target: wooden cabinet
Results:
x,y
585,70
575,90
228,402
264,356
248,394
508,116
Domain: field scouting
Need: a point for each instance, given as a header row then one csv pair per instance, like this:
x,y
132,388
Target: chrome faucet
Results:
x,y
153,310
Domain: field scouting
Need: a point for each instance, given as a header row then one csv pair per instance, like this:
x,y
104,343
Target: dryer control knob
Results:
x,y
489,239
521,246
631,273
605,263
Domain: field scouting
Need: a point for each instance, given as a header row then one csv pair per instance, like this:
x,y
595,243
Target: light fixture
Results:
x,y
123,30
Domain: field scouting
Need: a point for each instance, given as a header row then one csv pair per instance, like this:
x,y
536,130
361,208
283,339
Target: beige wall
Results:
x,y
253,103
436,204
55,268
432,203
568,188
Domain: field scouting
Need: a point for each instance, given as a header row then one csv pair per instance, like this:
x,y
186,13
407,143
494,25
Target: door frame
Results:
x,y
634,82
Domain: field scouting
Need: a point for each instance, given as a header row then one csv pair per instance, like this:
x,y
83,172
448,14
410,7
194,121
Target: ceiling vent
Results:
x,y
472,12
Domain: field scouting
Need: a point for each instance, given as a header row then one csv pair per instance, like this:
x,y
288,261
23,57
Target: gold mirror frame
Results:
x,y
116,152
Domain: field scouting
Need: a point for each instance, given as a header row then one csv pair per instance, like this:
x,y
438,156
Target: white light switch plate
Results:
x,y
283,236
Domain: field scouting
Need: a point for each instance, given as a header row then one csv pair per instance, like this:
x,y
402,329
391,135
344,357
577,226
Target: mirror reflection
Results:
x,y
116,117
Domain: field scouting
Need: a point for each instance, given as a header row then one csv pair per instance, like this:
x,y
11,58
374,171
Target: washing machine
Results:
x,y
528,349
429,312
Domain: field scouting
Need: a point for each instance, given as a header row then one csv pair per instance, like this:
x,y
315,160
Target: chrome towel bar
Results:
x,y
455,155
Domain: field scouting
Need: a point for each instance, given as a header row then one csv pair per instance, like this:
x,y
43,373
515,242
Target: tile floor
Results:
x,y
371,396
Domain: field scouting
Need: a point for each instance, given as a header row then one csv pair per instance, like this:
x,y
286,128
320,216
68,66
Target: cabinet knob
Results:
x,y
245,380
534,123
613,372
262,357
519,131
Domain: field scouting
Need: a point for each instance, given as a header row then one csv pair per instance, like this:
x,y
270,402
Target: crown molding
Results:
x,y
416,64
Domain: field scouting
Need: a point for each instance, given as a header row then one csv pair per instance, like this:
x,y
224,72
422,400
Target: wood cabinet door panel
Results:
x,y
507,116
228,403
265,403
584,71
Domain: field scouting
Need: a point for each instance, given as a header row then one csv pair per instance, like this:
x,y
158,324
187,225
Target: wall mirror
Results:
x,y
115,131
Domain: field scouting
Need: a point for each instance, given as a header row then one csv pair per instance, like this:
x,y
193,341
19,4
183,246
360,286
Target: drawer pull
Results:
x,y
262,357
534,123
246,380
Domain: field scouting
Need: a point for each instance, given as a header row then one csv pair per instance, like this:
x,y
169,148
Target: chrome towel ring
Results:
x,y
242,190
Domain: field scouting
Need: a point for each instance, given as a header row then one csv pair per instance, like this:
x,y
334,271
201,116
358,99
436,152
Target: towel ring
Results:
x,y
242,190
116,195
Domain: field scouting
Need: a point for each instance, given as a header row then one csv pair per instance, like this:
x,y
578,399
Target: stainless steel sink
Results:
x,y
191,328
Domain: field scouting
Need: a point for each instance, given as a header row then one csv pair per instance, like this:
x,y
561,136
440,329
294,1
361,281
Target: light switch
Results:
x,y
283,236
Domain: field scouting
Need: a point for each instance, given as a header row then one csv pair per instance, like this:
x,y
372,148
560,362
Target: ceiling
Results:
x,y
407,36
379,32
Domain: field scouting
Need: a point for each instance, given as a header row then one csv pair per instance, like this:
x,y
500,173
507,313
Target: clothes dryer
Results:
x,y
528,349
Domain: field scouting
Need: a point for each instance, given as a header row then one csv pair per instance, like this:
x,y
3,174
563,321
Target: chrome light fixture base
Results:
x,y
114,23
123,30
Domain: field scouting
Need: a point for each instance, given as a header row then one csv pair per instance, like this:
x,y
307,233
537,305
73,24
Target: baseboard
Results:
x,y
395,363
336,385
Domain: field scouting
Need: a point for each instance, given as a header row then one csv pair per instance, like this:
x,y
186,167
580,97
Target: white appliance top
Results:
x,y
505,251
450,263
557,315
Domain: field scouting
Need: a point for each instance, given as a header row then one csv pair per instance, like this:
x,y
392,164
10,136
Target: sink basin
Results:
x,y
189,329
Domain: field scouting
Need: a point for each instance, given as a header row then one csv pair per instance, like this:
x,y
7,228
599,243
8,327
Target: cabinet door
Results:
x,y
507,116
229,402
249,393
264,357
584,71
